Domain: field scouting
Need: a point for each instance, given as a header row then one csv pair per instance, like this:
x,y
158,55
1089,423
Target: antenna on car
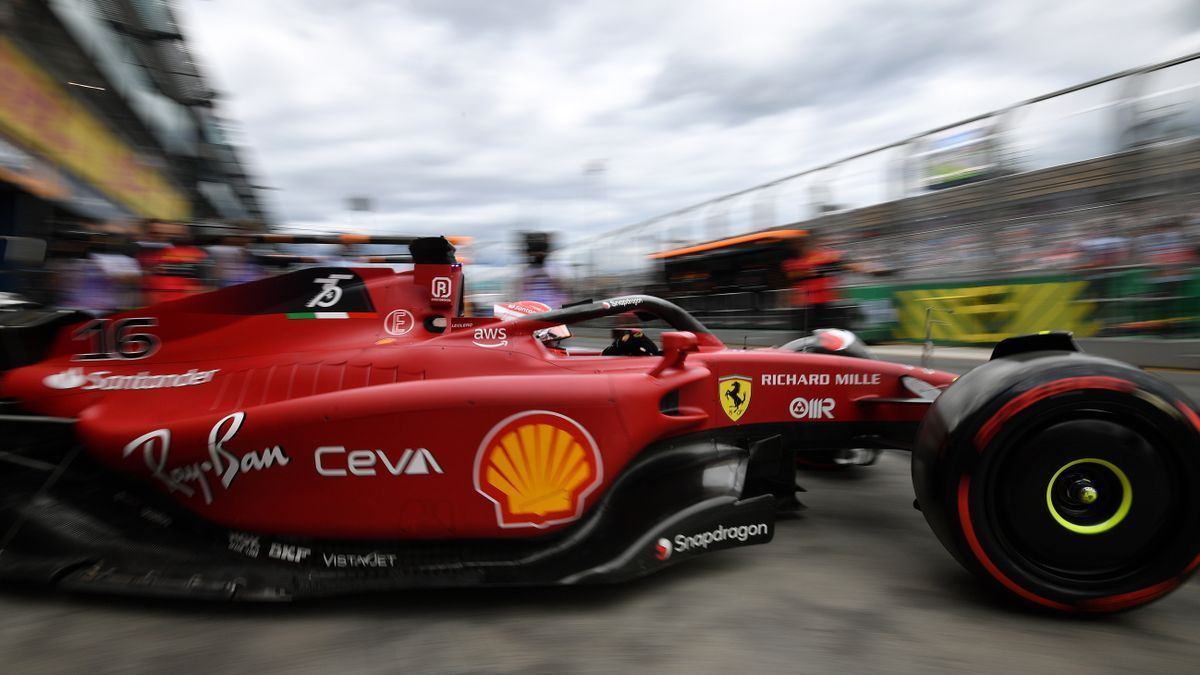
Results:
x,y
927,348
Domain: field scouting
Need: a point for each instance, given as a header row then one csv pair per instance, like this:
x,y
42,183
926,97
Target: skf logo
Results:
x,y
734,392
812,408
440,291
662,550
490,338
288,553
537,467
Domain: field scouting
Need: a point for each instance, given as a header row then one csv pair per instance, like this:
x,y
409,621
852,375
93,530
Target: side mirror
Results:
x,y
675,347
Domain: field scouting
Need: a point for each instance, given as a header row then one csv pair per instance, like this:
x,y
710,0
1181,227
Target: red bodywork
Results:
x,y
375,425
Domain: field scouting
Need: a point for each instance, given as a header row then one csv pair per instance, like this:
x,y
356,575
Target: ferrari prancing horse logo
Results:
x,y
734,392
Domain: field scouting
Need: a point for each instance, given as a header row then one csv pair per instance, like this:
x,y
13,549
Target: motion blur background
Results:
x,y
950,169
1024,175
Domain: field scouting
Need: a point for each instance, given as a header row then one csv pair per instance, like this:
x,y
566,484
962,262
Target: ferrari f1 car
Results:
x,y
337,430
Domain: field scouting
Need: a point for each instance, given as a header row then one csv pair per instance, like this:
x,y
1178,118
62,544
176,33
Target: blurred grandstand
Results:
x,y
107,123
1079,209
105,114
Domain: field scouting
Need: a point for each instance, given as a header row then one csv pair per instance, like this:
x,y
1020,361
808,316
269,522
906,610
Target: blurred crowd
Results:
x,y
105,267
1071,240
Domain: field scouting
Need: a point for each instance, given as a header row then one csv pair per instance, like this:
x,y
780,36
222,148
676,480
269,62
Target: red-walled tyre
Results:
x,y
1070,481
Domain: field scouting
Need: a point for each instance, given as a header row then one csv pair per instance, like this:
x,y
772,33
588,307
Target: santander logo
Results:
x,y
104,380
67,379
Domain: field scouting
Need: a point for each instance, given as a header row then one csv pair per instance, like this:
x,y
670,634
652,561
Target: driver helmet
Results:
x,y
516,310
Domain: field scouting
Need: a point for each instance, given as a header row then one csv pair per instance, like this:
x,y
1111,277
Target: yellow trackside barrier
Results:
x,y
987,314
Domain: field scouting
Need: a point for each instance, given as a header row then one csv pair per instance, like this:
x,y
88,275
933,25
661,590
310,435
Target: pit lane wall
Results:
x,y
1129,302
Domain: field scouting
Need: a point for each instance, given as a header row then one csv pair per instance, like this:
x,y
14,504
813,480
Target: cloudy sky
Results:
x,y
484,116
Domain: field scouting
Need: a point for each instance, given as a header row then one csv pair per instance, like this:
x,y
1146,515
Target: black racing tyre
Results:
x,y
1068,480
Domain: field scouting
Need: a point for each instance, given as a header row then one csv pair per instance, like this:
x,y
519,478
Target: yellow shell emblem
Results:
x,y
537,468
734,393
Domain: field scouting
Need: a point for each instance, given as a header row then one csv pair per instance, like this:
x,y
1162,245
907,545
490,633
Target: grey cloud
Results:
x,y
461,112
473,17
412,188
1190,13
883,46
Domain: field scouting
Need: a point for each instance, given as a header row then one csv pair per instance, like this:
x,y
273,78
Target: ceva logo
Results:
x,y
68,379
334,460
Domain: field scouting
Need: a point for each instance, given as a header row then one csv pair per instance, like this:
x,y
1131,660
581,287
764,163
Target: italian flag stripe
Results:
x,y
318,315
330,315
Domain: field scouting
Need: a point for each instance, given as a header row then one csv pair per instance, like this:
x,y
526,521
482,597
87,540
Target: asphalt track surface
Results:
x,y
855,583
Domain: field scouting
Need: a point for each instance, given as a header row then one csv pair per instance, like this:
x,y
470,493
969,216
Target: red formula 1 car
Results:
x,y
340,430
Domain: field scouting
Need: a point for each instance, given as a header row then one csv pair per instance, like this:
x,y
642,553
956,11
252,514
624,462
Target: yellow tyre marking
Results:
x,y
1098,528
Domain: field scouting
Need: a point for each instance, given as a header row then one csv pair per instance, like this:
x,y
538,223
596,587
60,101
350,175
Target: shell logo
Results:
x,y
537,467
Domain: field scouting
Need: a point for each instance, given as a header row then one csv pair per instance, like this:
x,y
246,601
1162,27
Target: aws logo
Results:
x,y
490,338
537,467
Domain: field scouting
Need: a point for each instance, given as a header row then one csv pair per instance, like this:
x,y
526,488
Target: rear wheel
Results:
x,y
1074,492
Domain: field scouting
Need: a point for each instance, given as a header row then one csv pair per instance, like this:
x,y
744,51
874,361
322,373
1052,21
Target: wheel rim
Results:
x,y
1089,496
1068,514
